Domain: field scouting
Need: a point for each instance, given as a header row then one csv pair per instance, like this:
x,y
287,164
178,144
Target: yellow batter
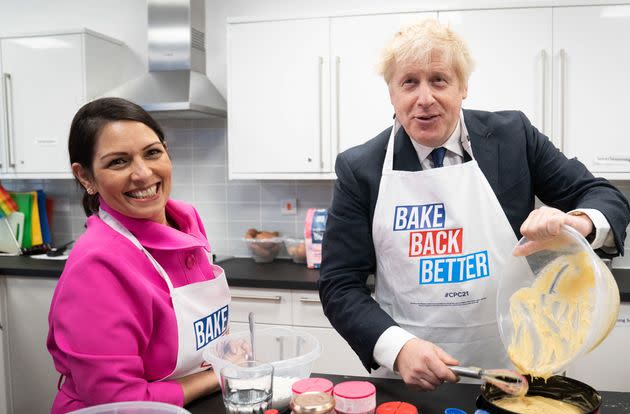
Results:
x,y
536,405
552,323
550,328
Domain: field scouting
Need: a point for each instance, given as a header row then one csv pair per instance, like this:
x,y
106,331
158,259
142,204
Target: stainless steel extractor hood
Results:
x,y
176,85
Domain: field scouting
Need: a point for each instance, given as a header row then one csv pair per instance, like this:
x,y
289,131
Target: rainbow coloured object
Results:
x,y
7,204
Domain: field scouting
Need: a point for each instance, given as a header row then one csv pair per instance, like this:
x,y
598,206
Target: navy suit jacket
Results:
x,y
518,161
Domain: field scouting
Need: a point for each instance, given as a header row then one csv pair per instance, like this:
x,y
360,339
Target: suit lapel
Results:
x,y
485,148
405,155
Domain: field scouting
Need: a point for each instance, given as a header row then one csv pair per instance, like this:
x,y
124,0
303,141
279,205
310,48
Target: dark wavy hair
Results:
x,y
86,127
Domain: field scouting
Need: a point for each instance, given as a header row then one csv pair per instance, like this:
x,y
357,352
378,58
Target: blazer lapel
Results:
x,y
405,155
485,149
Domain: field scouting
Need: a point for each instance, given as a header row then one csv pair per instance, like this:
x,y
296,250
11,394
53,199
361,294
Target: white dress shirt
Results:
x,y
394,338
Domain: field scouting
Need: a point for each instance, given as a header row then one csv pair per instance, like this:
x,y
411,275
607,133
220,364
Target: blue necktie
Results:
x,y
437,155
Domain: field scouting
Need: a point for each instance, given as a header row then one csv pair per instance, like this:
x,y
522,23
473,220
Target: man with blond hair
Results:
x,y
433,206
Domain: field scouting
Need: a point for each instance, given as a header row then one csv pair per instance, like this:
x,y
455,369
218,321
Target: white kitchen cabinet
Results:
x,y
300,91
45,80
549,62
337,356
512,50
30,374
591,66
360,100
278,98
606,367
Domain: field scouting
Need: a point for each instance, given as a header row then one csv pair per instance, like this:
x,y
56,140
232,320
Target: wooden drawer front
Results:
x,y
268,305
307,309
337,357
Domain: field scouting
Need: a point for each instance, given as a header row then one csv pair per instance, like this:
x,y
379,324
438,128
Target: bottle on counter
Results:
x,y
355,397
313,402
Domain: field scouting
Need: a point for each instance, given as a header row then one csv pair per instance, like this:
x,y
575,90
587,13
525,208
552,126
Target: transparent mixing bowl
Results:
x,y
133,407
555,304
291,352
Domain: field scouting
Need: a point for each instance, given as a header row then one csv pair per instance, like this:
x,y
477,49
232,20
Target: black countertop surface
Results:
x,y
462,396
241,272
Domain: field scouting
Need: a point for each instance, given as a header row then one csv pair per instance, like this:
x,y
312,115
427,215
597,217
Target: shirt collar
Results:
x,y
154,235
457,142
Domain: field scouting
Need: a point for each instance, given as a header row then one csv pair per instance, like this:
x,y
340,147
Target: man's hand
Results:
x,y
544,223
422,364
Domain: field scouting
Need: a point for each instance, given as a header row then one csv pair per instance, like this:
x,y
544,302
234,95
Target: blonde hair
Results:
x,y
416,43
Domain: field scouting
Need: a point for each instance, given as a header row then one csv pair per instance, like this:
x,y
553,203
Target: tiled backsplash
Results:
x,y
228,208
200,176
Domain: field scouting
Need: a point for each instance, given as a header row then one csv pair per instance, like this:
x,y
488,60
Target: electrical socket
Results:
x,y
288,207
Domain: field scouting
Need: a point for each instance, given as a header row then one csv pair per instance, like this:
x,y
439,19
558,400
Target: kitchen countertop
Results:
x,y
241,272
461,396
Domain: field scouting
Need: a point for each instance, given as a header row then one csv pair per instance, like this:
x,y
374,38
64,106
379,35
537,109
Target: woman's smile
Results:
x,y
146,194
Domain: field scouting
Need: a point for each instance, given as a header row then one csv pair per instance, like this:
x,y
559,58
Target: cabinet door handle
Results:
x,y
337,100
612,159
542,62
563,67
320,110
259,298
309,300
8,115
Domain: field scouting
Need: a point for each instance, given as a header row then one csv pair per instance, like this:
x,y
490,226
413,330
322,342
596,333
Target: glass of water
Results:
x,y
247,387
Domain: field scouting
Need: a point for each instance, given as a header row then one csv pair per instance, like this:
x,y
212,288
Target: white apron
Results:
x,y
201,310
441,241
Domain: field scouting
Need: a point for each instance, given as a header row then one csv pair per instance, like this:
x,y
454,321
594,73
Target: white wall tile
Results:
x,y
244,212
315,192
216,230
220,246
272,212
212,211
204,174
212,193
247,193
183,192
181,156
210,152
274,192
183,174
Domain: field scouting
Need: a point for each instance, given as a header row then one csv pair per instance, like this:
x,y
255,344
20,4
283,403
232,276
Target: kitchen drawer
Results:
x,y
307,309
268,305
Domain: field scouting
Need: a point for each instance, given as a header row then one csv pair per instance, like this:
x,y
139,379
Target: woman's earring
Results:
x,y
90,191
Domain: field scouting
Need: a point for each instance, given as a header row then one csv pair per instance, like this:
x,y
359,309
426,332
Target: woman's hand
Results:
x,y
544,223
237,351
423,365
199,384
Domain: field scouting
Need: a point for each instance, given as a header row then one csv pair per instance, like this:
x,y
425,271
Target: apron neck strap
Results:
x,y
118,227
388,165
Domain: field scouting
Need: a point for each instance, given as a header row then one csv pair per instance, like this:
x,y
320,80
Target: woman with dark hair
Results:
x,y
138,299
